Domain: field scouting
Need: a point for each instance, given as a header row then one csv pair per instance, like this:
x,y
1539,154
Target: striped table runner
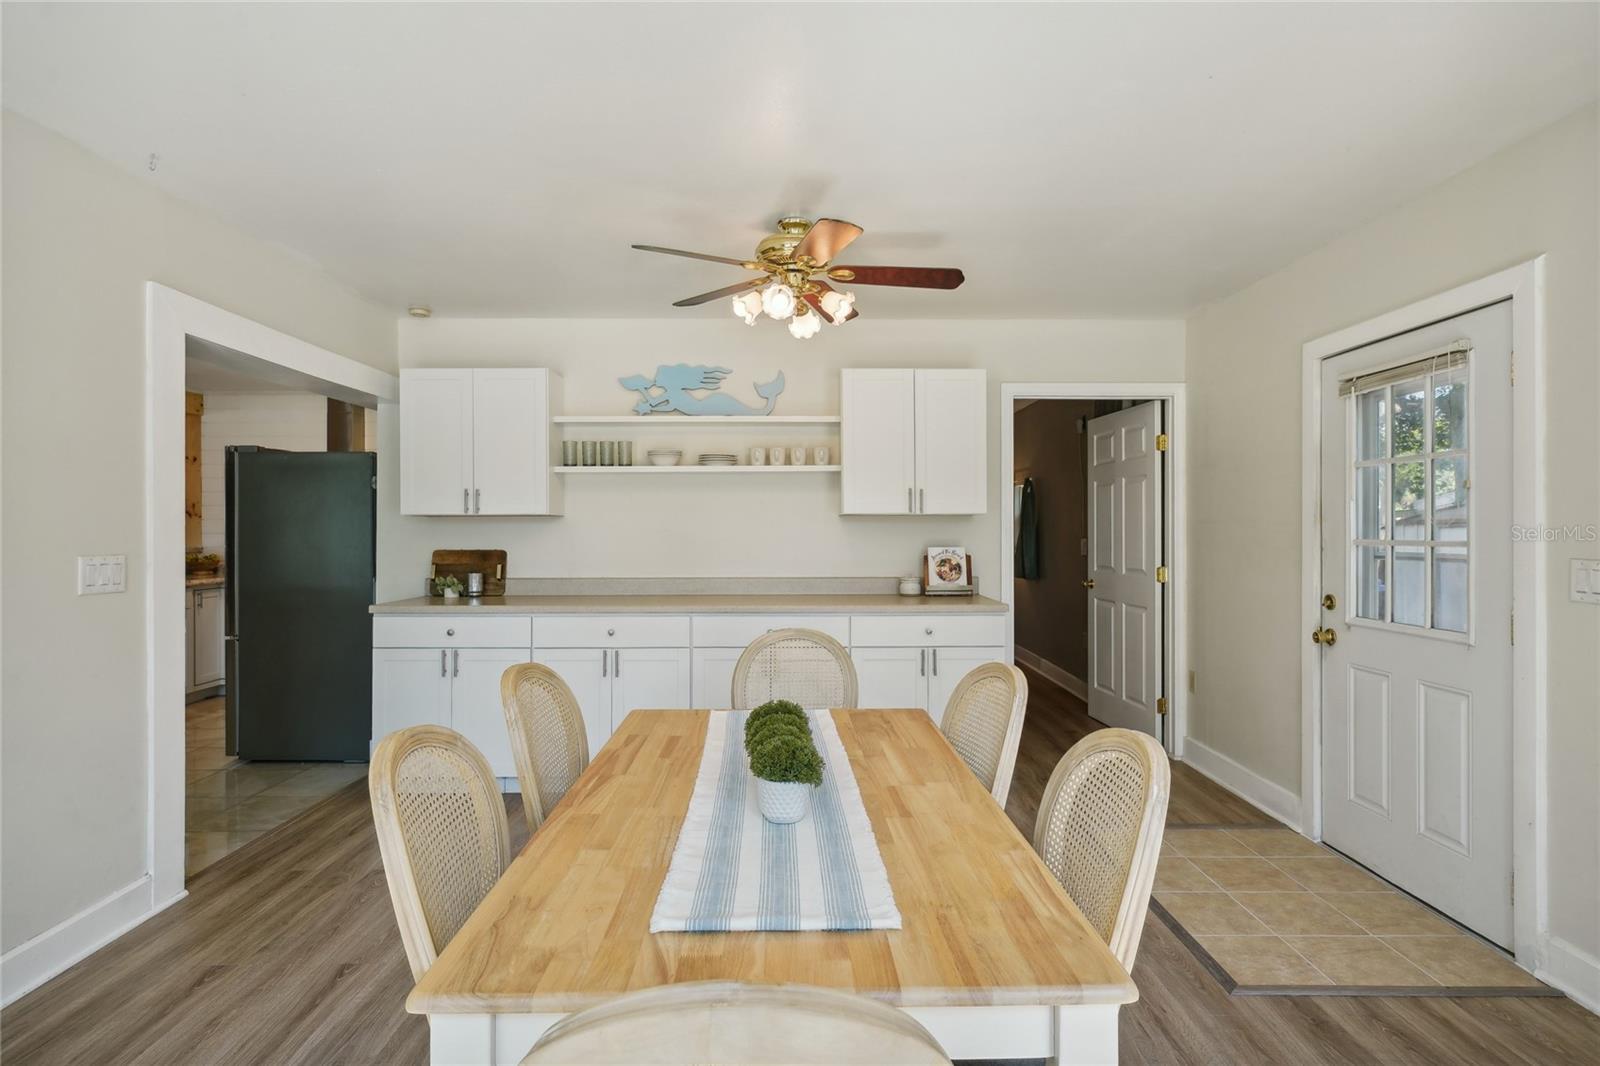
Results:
x,y
734,870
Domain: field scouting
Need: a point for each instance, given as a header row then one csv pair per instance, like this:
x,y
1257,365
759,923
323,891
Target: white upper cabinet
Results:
x,y
952,442
477,441
914,442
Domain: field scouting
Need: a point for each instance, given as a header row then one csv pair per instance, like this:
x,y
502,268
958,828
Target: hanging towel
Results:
x,y
1027,562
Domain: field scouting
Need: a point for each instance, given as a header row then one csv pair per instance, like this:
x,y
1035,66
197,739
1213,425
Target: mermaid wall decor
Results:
x,y
673,390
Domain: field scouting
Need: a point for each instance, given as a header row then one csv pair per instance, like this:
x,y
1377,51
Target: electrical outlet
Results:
x,y
100,574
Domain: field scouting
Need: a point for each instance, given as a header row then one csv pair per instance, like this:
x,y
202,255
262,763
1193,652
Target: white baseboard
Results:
x,y
1244,783
1065,678
32,963
1573,970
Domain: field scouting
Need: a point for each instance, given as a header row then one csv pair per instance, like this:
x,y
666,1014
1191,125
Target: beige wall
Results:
x,y
293,421
739,527
81,238
1052,610
1244,392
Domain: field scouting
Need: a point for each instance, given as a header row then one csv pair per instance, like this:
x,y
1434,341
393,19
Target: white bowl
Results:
x,y
665,458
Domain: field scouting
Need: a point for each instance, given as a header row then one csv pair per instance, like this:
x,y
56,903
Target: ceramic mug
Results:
x,y
758,457
797,456
819,456
777,456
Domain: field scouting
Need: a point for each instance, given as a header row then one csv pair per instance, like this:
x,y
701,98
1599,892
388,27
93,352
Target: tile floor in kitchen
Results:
x,y
231,802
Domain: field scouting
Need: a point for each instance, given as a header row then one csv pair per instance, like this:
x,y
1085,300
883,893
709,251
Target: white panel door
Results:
x,y
946,668
475,708
1125,545
511,442
1416,554
877,441
435,441
649,678
587,672
713,676
410,686
891,677
208,642
952,442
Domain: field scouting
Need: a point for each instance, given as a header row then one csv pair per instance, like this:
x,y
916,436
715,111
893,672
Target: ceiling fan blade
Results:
x,y
823,286
905,277
746,263
816,305
707,297
826,238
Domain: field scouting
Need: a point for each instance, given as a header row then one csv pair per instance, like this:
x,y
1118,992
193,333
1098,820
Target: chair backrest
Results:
x,y
802,665
983,722
548,739
1099,830
442,833
724,1021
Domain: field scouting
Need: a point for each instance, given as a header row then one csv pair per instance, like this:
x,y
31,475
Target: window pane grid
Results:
x,y
1409,513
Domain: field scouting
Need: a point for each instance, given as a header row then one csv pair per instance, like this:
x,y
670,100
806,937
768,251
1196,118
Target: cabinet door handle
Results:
x,y
911,506
616,664
605,658
463,501
922,501
477,501
922,662
455,664
444,657
935,662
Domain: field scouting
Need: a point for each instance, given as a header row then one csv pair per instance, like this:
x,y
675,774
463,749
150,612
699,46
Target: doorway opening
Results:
x,y
1091,563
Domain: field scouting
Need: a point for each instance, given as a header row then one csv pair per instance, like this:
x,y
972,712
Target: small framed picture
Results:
x,y
948,568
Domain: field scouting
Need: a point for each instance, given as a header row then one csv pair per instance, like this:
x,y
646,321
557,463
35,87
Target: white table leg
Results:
x,y
1086,1035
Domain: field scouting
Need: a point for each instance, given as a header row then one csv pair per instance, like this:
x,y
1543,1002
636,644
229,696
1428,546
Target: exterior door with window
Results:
x,y
1416,622
1125,545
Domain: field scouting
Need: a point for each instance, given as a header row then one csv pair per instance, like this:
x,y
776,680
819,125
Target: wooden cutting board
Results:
x,y
459,562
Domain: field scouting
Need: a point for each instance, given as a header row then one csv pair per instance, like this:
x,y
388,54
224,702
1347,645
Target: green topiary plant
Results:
x,y
776,725
785,757
767,710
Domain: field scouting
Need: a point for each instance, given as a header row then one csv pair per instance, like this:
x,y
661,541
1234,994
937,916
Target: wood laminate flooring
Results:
x,y
286,952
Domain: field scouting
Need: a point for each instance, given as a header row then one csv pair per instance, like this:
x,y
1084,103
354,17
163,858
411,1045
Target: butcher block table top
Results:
x,y
567,926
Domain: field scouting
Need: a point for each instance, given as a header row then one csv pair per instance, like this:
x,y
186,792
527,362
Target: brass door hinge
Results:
x,y
1161,705
1161,575
1161,442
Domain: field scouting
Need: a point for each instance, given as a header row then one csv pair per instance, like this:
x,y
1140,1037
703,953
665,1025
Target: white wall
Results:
x,y
292,421
81,239
739,527
1244,386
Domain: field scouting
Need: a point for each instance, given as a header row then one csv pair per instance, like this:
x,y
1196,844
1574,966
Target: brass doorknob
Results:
x,y
1089,584
1324,636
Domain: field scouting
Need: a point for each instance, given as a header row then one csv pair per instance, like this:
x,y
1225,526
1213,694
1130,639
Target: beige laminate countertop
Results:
x,y
711,604
213,582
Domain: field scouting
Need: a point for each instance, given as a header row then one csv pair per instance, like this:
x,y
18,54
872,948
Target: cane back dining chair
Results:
x,y
548,739
441,831
983,722
802,665
1099,830
725,1021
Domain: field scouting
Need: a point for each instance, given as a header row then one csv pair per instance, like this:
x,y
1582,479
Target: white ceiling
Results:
x,y
1073,159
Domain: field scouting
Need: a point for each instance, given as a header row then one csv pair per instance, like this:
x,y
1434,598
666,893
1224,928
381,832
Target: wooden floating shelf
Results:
x,y
695,469
695,421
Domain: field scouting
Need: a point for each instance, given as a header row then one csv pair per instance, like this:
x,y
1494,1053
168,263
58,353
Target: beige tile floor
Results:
x,y
1274,909
229,803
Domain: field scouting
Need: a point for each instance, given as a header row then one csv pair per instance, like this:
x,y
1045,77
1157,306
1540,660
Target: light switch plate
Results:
x,y
1585,584
99,574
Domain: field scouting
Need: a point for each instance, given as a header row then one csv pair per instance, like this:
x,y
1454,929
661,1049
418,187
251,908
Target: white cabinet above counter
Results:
x,y
914,442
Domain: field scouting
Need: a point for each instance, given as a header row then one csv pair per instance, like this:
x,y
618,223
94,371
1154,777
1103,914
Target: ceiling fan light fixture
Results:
x,y
747,305
777,300
805,326
839,305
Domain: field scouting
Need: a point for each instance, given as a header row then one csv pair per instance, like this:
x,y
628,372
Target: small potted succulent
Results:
x,y
783,758
448,586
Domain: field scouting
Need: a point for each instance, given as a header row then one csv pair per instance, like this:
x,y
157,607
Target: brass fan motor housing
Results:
x,y
777,249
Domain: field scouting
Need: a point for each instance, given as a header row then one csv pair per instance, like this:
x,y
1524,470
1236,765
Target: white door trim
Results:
x,y
1523,284
1174,531
170,316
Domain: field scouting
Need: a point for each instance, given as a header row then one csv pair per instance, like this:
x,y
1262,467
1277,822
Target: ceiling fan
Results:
x,y
796,269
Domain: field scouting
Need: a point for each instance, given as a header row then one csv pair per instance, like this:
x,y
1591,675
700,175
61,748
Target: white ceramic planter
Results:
x,y
782,802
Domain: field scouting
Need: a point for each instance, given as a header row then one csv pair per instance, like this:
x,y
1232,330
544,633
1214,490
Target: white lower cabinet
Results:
x,y
203,640
713,677
475,709
916,677
610,682
410,686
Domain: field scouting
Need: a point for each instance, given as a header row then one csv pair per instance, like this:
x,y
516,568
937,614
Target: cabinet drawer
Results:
x,y
611,631
738,630
926,630
450,631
